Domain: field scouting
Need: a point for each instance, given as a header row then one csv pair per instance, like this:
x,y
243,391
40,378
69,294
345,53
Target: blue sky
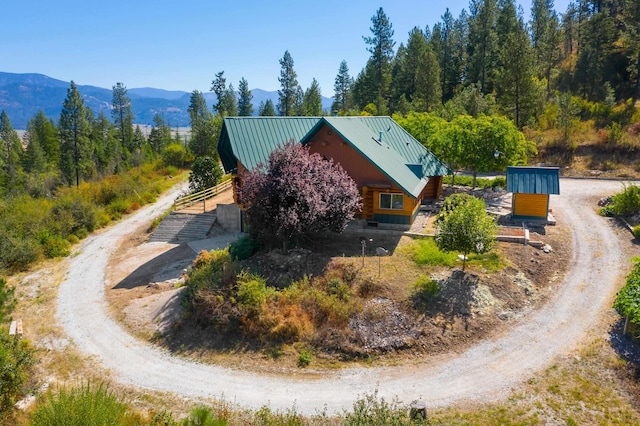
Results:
x,y
181,45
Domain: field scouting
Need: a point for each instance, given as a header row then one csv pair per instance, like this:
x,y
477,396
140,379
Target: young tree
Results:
x,y
464,226
245,107
296,194
203,125
381,48
74,136
266,109
160,135
43,131
205,173
312,100
123,118
342,90
288,79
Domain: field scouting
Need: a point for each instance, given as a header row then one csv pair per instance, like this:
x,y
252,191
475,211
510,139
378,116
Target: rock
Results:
x,y
547,248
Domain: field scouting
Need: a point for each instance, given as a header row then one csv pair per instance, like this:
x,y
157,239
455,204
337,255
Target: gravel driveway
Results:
x,y
488,371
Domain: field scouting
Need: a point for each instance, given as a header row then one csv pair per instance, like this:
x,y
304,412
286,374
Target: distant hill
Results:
x,y
23,95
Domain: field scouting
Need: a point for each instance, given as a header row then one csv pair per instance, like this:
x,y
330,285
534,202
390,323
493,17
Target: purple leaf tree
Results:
x,y
296,194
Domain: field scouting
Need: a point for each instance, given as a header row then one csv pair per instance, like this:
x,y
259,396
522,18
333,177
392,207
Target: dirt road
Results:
x,y
488,371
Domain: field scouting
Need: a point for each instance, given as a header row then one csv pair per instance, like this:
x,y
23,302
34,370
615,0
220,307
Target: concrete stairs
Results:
x,y
183,227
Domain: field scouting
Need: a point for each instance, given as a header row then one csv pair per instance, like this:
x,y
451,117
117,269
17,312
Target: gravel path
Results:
x,y
488,371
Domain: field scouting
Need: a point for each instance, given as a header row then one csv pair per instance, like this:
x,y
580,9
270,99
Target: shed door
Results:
x,y
530,205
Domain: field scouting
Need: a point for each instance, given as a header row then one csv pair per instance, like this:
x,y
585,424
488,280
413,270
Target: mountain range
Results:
x,y
23,95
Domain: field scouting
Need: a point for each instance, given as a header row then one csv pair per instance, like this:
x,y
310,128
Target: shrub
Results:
x,y
627,301
174,155
426,288
16,253
372,410
84,405
252,292
7,301
69,214
305,358
636,232
627,202
54,245
243,248
16,359
203,416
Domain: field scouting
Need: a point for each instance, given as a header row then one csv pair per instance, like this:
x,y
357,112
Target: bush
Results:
x,y
16,359
627,301
252,292
243,248
16,253
84,405
203,416
372,410
426,288
54,245
174,155
636,232
627,202
305,358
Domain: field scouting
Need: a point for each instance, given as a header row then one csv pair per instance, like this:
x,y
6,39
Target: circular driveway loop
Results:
x,y
486,372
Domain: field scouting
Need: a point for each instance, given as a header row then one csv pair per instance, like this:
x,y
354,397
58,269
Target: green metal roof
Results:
x,y
250,140
533,180
399,156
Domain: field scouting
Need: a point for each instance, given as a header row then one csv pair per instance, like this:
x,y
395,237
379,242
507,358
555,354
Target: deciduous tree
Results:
x,y
296,194
464,226
205,173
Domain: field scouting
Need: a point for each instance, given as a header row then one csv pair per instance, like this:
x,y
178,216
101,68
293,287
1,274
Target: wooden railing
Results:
x,y
191,199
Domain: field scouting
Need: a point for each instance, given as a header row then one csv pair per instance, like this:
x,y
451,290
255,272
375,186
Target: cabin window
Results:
x,y
392,201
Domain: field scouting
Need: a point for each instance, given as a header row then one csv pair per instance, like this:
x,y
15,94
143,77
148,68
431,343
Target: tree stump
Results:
x,y
418,410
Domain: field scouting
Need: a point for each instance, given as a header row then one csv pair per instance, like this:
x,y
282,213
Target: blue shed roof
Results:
x,y
533,180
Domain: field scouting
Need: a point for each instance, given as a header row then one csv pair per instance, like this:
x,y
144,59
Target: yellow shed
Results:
x,y
531,188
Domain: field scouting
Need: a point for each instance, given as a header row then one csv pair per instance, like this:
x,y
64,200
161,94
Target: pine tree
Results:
x,y
312,101
226,97
545,38
517,93
11,146
631,41
245,107
198,111
266,109
123,117
288,79
42,132
381,48
160,135
428,91
482,44
342,88
74,136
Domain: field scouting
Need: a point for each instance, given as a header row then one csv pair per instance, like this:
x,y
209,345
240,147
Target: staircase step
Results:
x,y
182,227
